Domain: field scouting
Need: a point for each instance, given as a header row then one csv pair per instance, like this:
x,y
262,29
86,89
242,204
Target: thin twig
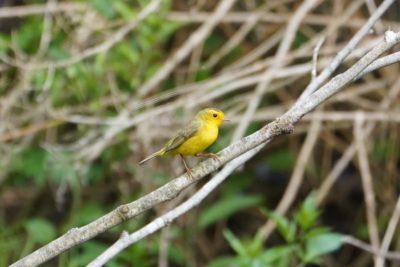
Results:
x,y
342,79
378,27
277,64
197,37
152,7
264,47
350,240
296,178
315,58
46,32
163,247
266,17
39,9
380,63
170,216
346,50
250,144
394,220
348,155
232,42
91,152
366,178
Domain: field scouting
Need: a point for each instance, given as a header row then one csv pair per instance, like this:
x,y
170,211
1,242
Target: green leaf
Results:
x,y
226,261
28,35
213,42
57,53
285,227
322,244
88,252
308,214
175,255
384,149
202,75
123,9
253,126
226,207
88,213
237,182
4,44
60,167
105,7
40,230
300,39
316,232
30,163
235,243
129,53
94,171
282,160
276,253
256,245
254,263
138,255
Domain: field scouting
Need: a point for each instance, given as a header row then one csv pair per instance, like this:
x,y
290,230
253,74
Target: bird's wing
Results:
x,y
184,134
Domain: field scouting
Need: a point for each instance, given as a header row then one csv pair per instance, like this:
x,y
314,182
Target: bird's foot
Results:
x,y
189,173
208,155
188,170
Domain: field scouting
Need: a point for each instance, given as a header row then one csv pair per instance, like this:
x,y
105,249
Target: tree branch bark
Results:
x,y
281,125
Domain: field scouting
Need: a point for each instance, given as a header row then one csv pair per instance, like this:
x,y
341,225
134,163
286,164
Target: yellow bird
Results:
x,y
194,138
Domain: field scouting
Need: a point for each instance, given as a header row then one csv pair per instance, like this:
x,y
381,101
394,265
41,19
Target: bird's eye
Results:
x,y
215,115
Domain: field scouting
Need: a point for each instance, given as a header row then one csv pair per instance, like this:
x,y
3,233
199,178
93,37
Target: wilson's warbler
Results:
x,y
194,138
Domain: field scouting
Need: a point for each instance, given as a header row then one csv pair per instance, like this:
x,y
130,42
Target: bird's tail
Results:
x,y
155,154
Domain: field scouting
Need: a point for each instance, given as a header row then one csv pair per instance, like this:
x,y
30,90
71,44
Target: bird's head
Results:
x,y
211,115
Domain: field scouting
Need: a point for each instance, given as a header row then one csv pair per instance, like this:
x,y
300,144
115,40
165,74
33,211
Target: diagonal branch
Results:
x,y
282,125
346,50
168,217
277,64
351,150
296,178
394,220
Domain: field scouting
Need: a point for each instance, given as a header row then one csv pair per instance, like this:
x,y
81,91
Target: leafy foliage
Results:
x,y
82,88
53,118
225,207
40,230
305,242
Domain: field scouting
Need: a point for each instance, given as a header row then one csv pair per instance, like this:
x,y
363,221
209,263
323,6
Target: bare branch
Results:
x,y
170,216
28,10
278,62
351,150
366,178
380,63
297,177
234,41
368,248
196,38
394,220
152,7
280,126
346,50
266,17
315,58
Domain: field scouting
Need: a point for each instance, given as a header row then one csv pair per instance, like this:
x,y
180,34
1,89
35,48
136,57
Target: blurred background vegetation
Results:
x,y
62,166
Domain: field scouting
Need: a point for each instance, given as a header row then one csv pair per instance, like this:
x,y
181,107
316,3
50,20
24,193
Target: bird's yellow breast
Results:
x,y
204,137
